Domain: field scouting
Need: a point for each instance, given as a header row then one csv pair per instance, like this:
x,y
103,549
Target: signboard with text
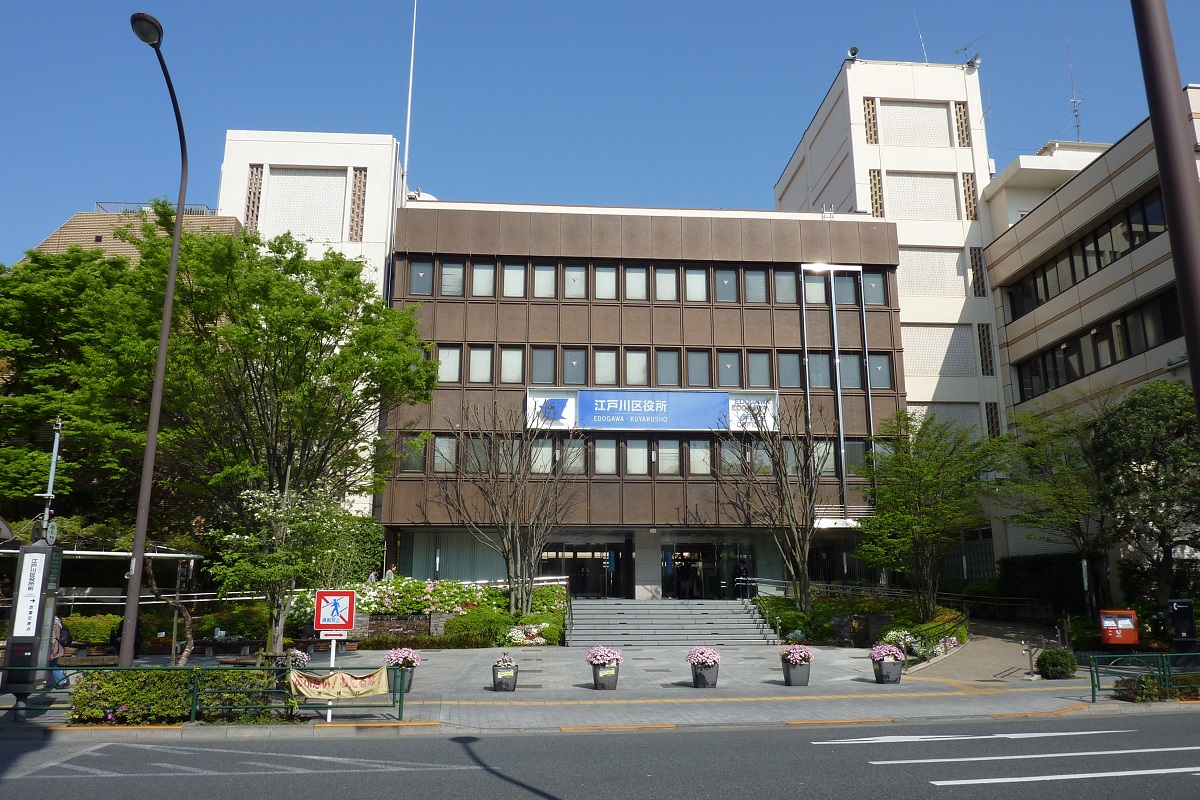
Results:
x,y
334,610
650,410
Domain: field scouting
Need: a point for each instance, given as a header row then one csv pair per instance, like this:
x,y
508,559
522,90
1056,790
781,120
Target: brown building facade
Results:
x,y
688,309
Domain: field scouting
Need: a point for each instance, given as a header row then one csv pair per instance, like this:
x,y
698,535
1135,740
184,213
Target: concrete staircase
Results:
x,y
631,623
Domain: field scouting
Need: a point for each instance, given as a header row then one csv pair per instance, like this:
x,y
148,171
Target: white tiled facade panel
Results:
x,y
939,350
932,272
920,195
914,124
1029,541
964,414
308,203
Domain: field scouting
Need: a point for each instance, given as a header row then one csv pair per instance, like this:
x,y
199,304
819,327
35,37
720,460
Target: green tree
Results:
x,y
300,540
1053,482
1148,450
925,481
58,312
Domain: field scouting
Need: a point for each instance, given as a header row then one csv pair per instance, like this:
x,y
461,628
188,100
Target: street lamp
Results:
x,y
150,31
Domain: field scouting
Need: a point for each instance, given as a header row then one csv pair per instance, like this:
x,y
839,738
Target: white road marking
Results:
x,y
274,767
182,768
904,739
16,770
100,773
1026,756
1068,776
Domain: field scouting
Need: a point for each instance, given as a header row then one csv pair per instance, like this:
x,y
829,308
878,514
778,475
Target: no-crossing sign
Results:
x,y
334,610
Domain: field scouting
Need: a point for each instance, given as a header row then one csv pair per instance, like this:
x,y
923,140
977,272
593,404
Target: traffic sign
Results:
x,y
335,634
334,610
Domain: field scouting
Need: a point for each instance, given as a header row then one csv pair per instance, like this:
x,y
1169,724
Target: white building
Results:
x,y
337,191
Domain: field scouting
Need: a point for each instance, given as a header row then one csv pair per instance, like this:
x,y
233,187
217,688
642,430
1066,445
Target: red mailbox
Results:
x,y
1118,627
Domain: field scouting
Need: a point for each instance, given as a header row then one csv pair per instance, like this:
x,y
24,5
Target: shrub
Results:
x,y
548,599
131,697
553,632
242,620
1142,689
1085,633
1056,664
486,624
92,628
423,642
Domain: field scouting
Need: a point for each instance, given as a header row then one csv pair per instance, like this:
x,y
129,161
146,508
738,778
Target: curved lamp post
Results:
x,y
150,31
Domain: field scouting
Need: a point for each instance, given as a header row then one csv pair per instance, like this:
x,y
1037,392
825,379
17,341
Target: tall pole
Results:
x,y
1174,145
149,31
412,60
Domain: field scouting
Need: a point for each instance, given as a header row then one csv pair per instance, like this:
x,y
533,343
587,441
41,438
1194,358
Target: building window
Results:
x,y
668,456
606,283
480,365
850,370
870,121
512,364
970,200
575,282
420,278
574,366
637,368
452,279
856,456
785,286
756,286
820,374
358,204
698,368
876,179
635,283
729,365
979,273
667,367
731,457
637,457
986,361
962,124
514,280
666,283
696,285
759,370
699,457
449,358
543,365
874,289
725,281
992,411
445,453
410,453
815,292
606,367
574,452
824,458
483,280
606,457
845,289
789,370
541,456
545,280
879,366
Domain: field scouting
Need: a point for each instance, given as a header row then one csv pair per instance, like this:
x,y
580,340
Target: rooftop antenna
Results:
x,y
967,46
921,37
1073,101
408,114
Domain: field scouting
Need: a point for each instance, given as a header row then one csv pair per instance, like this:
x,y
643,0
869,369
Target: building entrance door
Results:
x,y
593,570
703,570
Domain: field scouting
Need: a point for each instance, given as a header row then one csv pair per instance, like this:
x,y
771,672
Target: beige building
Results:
x,y
95,229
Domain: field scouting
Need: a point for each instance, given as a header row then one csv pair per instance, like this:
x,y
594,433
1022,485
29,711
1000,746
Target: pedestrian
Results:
x,y
391,573
58,678
741,581
374,576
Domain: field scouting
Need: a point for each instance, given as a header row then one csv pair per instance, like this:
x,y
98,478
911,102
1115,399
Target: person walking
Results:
x,y
391,573
374,576
58,678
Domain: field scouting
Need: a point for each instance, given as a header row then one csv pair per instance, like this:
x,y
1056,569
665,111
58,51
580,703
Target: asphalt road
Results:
x,y
1143,756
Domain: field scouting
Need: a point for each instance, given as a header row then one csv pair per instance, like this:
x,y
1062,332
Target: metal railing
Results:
x,y
1162,667
266,689
117,207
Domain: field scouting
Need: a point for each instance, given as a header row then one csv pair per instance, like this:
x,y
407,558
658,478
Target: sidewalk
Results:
x,y
452,692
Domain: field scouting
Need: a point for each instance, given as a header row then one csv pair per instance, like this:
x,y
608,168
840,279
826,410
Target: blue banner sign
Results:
x,y
650,410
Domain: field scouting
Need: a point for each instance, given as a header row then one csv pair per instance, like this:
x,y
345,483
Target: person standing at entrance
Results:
x,y
741,581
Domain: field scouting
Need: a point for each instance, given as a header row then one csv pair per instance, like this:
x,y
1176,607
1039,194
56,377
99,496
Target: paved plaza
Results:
x,y
452,692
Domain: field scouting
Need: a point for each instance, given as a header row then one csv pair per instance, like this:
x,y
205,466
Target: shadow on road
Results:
x,y
467,741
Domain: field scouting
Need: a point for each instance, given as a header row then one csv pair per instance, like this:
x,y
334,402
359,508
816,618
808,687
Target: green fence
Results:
x,y
1162,667
216,689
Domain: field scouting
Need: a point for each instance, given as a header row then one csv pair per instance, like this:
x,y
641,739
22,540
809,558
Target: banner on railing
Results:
x,y
337,685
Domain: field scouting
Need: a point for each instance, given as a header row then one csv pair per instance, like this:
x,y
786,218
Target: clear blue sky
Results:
x,y
676,103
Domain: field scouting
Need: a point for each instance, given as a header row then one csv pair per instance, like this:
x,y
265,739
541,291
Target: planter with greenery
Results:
x,y
504,674
705,662
606,662
887,661
797,663
405,658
